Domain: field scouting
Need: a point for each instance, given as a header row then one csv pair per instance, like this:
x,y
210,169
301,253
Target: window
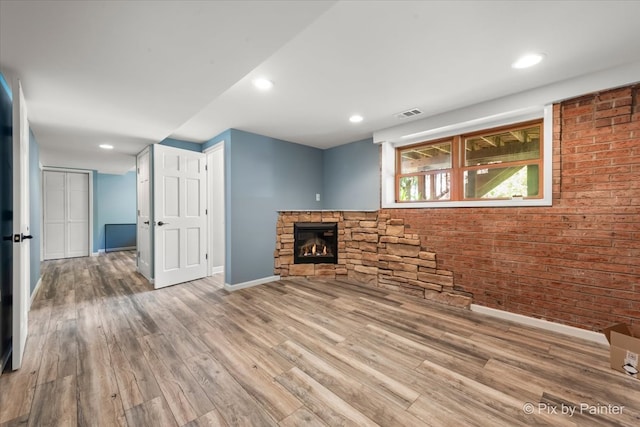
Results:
x,y
495,164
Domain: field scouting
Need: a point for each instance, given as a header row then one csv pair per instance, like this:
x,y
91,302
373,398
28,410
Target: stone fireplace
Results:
x,y
315,243
370,247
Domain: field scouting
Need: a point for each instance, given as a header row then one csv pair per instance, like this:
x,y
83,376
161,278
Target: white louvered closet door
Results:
x,y
66,214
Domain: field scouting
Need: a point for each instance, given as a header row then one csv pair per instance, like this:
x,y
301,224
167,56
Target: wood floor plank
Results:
x,y
183,341
321,401
19,386
210,419
291,352
395,391
135,379
185,397
235,404
97,392
228,334
61,358
55,403
302,417
276,400
360,396
154,412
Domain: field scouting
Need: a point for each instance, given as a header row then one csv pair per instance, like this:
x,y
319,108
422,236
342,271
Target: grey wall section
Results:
x,y
35,208
185,145
115,203
351,176
263,175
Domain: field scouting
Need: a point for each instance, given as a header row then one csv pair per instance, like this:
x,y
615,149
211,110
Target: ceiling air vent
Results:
x,y
409,113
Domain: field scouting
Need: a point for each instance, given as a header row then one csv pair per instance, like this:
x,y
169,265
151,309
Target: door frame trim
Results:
x,y
91,231
211,269
148,150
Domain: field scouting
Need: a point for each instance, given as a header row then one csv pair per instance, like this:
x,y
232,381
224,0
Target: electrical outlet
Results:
x,y
317,197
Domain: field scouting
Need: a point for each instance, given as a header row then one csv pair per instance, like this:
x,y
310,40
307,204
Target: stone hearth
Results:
x,y
373,248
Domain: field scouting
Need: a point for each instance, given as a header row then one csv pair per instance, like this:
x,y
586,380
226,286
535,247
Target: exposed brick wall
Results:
x,y
577,262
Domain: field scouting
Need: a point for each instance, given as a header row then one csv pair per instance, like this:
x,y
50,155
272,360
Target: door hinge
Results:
x,y
206,211
206,256
206,167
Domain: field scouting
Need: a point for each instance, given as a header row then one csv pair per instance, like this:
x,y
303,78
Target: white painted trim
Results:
x,y
472,124
35,292
95,253
216,146
542,324
251,283
219,146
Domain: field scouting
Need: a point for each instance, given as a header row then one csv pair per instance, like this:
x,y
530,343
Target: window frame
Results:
x,y
516,119
399,176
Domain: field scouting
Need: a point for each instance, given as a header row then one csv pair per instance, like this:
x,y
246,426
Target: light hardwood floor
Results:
x,y
105,349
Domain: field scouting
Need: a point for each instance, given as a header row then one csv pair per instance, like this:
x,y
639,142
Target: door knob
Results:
x,y
25,237
160,223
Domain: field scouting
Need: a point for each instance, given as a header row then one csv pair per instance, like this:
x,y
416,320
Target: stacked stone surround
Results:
x,y
373,248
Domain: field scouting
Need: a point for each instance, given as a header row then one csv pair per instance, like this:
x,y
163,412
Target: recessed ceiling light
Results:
x,y
355,118
528,60
106,146
262,83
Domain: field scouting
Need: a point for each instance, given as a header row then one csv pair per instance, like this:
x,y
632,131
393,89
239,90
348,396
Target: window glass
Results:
x,y
504,147
433,186
502,182
425,158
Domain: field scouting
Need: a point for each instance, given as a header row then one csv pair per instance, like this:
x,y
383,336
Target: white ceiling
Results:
x,y
133,73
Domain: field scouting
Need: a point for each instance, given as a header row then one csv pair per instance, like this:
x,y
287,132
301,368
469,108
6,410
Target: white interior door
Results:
x,y
179,209
144,215
21,235
66,214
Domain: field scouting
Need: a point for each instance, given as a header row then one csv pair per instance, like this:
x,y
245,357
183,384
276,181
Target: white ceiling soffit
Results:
x,y
130,73
376,58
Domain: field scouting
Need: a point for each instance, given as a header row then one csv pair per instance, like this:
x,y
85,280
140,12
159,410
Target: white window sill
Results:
x,y
468,204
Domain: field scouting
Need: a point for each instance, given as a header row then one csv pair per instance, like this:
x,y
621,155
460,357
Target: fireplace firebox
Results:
x,y
315,243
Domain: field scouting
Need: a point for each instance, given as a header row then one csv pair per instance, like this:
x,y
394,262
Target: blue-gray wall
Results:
x,y
352,176
35,207
185,145
263,175
114,203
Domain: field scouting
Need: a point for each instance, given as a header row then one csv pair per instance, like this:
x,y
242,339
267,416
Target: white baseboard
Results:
x,y
95,253
218,269
250,283
542,324
35,291
124,248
